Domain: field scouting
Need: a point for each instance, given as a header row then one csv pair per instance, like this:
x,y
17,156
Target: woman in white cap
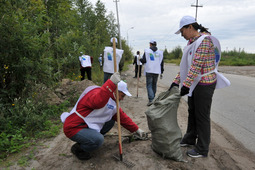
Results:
x,y
198,78
94,115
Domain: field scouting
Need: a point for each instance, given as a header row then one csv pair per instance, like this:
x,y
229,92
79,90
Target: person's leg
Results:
x,y
88,139
82,73
202,102
191,135
89,73
136,70
106,76
140,70
154,83
149,81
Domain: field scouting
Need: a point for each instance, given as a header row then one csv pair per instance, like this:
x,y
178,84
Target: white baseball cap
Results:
x,y
152,41
122,86
116,41
186,20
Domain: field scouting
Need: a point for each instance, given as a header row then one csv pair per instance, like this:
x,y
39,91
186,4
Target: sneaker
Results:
x,y
134,77
194,154
149,103
79,153
183,144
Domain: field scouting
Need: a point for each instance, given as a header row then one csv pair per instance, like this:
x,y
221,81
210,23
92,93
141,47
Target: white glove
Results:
x,y
141,133
115,78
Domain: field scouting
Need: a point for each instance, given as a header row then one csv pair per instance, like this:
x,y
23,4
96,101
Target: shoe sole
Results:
x,y
196,156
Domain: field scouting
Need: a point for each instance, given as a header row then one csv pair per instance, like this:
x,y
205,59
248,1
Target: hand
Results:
x,y
141,133
184,90
115,78
161,76
172,85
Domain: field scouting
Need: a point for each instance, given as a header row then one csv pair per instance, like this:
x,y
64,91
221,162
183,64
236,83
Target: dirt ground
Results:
x,y
225,152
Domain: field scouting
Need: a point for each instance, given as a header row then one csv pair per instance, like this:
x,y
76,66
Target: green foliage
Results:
x,y
230,58
40,44
234,58
176,53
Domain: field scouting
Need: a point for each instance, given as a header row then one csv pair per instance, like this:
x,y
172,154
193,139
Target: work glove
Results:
x,y
172,85
161,76
184,90
115,78
140,133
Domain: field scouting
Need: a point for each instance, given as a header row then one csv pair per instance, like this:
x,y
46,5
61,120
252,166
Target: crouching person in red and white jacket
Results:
x,y
94,115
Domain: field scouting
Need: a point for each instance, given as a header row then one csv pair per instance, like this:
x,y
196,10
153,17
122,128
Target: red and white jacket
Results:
x,y
97,106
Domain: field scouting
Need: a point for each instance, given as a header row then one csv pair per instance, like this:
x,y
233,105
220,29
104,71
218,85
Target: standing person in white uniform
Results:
x,y
108,66
154,65
85,65
198,78
137,63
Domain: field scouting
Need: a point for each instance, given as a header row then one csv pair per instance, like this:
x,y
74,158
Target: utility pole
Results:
x,y
118,22
196,8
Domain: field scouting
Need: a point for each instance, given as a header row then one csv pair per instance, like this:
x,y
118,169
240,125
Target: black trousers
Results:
x,y
136,70
199,123
88,72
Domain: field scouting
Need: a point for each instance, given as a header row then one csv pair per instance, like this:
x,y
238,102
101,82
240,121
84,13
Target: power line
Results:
x,y
196,8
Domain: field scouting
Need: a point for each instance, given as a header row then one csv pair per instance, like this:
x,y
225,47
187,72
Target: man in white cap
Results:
x,y
108,66
153,66
94,115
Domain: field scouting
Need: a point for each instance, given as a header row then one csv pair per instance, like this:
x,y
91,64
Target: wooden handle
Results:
x,y
117,99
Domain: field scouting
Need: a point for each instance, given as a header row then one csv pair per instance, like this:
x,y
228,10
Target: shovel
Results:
x,y
120,158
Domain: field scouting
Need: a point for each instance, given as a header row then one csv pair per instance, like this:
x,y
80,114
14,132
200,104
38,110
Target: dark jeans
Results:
x,y
107,76
90,139
151,84
199,127
136,70
88,72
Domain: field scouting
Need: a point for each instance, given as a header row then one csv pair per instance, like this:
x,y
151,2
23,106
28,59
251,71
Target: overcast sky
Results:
x,y
231,21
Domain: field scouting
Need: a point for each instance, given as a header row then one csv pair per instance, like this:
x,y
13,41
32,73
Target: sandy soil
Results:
x,y
225,151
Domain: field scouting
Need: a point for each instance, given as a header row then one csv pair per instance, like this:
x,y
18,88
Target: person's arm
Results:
x,y
162,66
91,58
135,59
143,59
126,121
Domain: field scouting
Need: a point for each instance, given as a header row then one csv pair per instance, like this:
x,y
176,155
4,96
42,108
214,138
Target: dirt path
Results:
x,y
225,151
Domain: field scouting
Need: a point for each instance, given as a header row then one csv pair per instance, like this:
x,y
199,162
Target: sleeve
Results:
x,y
135,58
162,66
200,56
143,59
177,78
97,98
126,121
91,58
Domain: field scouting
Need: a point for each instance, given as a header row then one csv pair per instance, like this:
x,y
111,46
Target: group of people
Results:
x,y
95,111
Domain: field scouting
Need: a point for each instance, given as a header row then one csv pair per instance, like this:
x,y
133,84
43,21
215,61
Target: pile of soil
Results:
x,y
225,151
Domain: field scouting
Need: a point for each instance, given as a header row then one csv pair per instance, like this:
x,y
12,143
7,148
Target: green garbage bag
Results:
x,y
162,122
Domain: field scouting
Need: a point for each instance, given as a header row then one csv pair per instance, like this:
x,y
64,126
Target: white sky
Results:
x,y
231,21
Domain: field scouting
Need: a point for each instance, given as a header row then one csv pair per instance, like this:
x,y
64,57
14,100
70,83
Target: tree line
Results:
x,y
40,44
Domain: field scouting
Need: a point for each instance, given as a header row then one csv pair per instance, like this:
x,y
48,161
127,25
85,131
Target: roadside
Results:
x,y
225,151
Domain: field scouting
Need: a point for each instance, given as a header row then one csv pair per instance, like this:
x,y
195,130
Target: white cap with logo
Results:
x,y
122,86
186,20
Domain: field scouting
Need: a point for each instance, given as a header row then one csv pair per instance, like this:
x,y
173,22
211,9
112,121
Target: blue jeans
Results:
x,y
151,84
90,139
107,76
